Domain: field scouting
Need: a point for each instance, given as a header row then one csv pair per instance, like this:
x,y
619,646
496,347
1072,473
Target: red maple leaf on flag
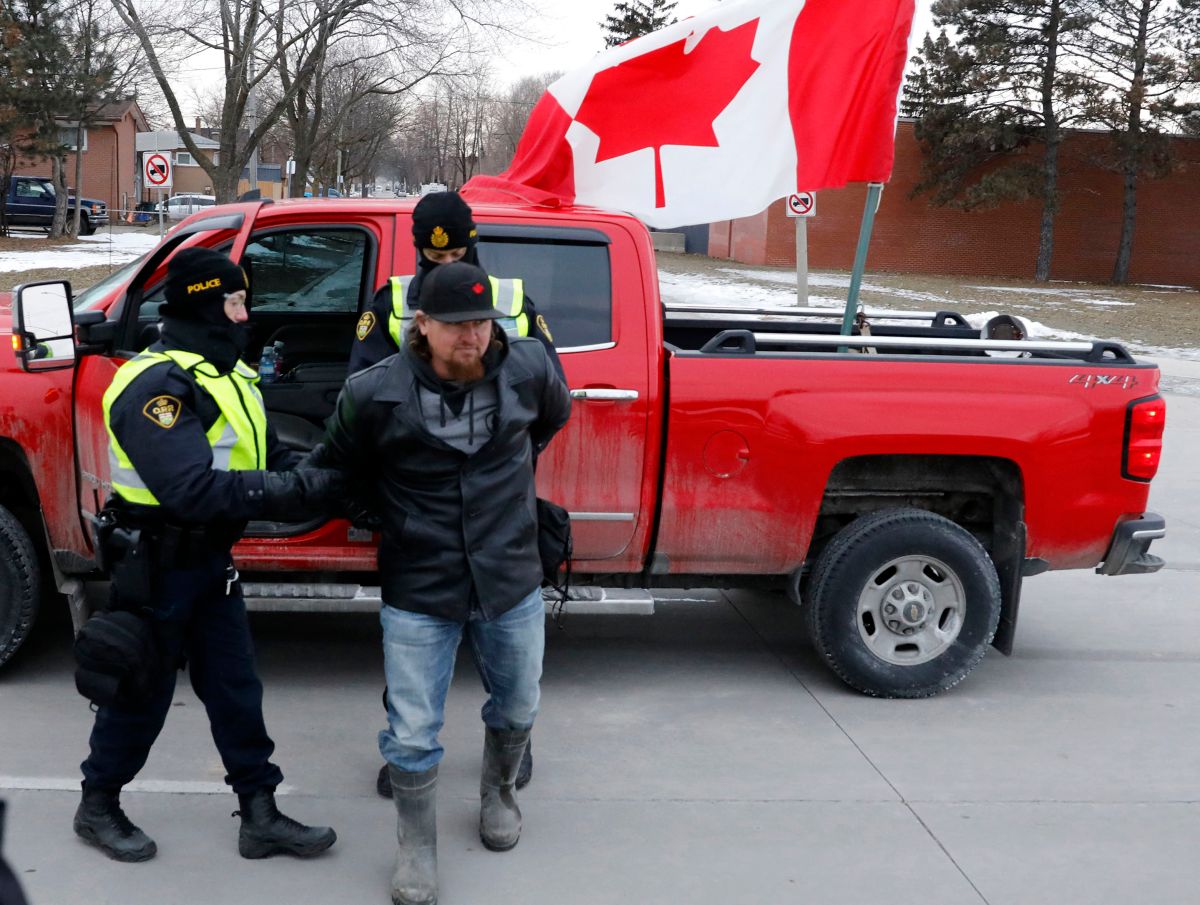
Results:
x,y
668,97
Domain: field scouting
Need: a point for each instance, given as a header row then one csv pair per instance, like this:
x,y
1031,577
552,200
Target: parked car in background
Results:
x,y
30,202
180,207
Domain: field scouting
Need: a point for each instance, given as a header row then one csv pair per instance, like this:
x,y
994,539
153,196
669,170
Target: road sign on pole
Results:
x,y
802,204
158,171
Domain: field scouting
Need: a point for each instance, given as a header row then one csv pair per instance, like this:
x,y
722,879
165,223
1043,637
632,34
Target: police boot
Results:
x,y
414,881
100,821
499,816
266,832
383,782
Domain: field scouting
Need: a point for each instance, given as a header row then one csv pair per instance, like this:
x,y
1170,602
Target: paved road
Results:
x,y
702,755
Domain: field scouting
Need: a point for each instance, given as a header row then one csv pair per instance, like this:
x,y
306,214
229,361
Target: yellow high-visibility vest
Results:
x,y
238,437
508,297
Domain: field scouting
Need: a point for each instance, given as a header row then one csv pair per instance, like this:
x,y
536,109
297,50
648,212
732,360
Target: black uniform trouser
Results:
x,y
197,620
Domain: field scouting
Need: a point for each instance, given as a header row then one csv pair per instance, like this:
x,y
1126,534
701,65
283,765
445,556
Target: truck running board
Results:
x,y
271,597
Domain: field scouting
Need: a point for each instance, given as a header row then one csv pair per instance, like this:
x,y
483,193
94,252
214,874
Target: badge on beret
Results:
x,y
541,322
163,411
439,238
366,324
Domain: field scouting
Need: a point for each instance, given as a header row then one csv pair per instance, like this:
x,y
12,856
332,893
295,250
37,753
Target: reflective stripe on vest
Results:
x,y
508,297
238,437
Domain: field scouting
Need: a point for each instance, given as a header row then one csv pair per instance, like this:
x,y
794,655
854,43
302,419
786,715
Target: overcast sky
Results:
x,y
566,35
572,33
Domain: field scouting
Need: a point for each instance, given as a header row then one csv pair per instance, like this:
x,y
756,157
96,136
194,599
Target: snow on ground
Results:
x,y
831,281
749,288
89,251
1082,296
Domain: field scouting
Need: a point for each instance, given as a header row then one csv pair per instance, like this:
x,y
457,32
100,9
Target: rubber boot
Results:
x,y
100,821
414,882
525,773
499,815
383,781
267,832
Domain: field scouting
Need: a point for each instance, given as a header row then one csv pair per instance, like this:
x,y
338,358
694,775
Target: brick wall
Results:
x,y
109,163
912,235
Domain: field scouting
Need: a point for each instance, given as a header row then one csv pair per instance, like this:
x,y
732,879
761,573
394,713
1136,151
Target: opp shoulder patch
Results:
x,y
163,411
541,322
366,324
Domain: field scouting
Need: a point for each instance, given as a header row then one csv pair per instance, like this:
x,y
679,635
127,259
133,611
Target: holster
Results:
x,y
127,555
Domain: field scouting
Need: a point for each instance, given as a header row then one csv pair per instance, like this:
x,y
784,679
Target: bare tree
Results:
x,y
510,114
251,36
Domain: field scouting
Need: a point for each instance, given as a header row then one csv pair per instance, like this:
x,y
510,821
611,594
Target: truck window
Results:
x,y
29,188
569,282
307,269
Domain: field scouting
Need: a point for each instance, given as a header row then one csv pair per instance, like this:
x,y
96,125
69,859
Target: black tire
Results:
x,y
20,583
86,226
942,590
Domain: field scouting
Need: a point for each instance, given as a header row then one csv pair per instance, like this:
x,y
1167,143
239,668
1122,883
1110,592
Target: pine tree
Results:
x,y
1000,79
41,61
1144,53
635,18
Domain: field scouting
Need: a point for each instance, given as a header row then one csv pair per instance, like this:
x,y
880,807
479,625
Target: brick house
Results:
x,y
109,154
187,176
911,235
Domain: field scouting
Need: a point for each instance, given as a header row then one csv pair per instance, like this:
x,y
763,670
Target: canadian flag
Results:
x,y
719,115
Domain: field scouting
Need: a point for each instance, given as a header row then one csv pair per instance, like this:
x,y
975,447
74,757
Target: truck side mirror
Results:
x,y
43,332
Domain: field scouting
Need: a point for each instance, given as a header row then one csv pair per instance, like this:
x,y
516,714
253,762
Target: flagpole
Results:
x,y
874,193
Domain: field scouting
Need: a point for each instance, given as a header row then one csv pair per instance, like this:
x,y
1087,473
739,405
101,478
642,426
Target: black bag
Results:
x,y
554,540
116,658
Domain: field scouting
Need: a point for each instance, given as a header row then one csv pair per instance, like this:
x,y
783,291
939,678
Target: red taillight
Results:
x,y
1144,423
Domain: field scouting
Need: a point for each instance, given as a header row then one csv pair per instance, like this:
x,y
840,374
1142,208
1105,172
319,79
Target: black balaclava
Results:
x,y
443,220
194,319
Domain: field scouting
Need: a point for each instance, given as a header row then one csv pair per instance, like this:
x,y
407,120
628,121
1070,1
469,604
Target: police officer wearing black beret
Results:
x,y
193,459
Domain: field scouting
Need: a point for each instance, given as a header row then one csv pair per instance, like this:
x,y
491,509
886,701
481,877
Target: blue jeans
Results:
x,y
418,662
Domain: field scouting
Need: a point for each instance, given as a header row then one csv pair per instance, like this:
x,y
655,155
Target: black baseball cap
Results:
x,y
457,292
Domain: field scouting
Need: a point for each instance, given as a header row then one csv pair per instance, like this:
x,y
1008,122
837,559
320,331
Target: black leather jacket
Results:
x,y
459,531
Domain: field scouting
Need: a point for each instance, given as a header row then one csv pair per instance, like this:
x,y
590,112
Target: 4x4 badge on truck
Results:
x,y
163,410
1124,381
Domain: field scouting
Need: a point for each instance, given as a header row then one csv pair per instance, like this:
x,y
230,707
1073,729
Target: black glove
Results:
x,y
361,515
296,496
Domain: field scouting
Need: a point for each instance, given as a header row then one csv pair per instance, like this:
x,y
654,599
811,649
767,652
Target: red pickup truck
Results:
x,y
898,483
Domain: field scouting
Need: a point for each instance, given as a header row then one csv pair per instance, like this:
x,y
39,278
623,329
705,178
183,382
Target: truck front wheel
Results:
x,y
903,603
86,227
19,584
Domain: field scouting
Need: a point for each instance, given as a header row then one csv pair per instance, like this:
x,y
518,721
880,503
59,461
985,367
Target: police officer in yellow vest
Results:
x,y
193,459
444,231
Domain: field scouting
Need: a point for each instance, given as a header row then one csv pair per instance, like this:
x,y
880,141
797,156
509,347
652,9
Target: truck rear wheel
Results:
x,y
19,584
903,603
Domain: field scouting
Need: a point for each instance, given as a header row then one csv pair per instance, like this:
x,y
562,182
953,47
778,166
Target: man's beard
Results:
x,y
462,371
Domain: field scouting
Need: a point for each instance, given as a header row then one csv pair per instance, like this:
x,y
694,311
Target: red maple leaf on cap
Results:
x,y
477,288
676,96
